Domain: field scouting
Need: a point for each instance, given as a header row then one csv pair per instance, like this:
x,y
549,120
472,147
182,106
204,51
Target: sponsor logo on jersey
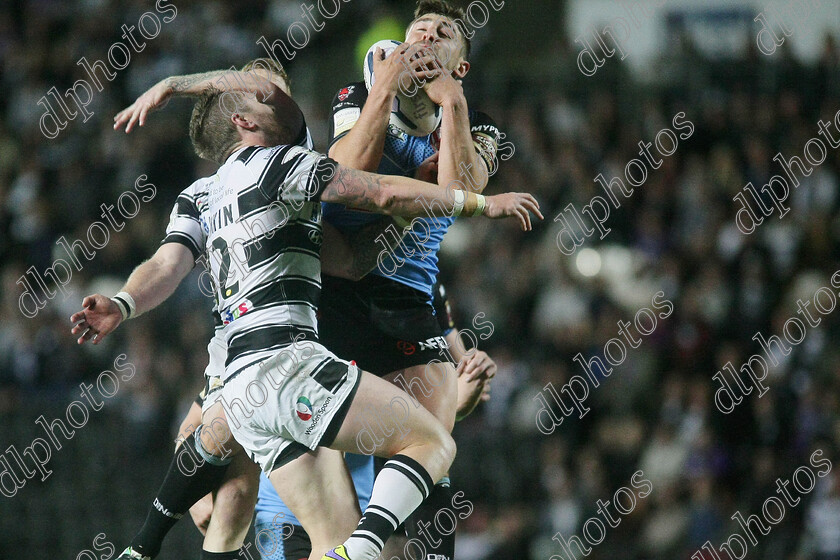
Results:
x,y
318,415
230,315
406,348
303,408
345,92
315,236
344,119
486,128
437,342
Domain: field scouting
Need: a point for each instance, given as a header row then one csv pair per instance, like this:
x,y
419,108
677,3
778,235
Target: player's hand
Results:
x,y
444,89
201,512
155,98
518,205
485,394
428,170
403,68
97,319
477,365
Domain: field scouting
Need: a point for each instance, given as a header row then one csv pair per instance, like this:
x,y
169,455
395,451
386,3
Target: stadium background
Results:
x,y
676,233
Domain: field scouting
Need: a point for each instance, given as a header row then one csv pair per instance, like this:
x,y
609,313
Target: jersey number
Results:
x,y
222,247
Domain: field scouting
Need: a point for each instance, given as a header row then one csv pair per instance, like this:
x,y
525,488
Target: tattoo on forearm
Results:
x,y
357,189
182,83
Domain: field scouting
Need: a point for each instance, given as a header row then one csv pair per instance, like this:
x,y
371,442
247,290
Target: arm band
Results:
x,y
480,204
126,305
460,199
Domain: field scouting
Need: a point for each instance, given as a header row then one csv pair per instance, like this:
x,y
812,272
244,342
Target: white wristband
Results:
x,y
126,304
481,203
460,199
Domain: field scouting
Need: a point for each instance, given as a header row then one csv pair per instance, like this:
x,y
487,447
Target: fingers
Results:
x,y
78,316
534,206
143,112
89,302
521,215
134,116
88,334
461,367
480,365
379,54
121,118
474,365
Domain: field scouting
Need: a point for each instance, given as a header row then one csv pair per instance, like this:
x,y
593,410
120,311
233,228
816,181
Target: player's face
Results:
x,y
441,34
263,116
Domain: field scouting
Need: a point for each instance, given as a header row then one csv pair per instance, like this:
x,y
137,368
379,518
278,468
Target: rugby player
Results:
x,y
390,310
238,492
298,178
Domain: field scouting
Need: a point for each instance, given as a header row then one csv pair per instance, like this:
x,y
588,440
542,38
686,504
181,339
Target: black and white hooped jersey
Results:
x,y
256,227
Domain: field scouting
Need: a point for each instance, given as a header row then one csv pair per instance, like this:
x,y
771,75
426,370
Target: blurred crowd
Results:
x,y
676,233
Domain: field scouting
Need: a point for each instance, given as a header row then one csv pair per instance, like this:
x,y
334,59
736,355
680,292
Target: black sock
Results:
x,y
436,542
188,479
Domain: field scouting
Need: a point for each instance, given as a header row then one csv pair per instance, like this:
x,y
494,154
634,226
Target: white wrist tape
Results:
x,y
126,305
460,199
482,203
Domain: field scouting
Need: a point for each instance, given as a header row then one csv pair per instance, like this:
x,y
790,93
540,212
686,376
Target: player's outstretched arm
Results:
x,y
256,81
402,196
353,255
148,286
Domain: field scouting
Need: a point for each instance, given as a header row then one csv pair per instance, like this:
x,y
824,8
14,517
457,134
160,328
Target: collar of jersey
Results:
x,y
234,155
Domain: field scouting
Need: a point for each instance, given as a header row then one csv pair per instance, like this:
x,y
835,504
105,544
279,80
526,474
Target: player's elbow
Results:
x,y
386,197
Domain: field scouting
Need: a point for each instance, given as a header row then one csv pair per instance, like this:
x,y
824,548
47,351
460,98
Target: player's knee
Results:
x,y
446,447
237,493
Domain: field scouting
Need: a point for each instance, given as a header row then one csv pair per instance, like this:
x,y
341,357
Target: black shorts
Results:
x,y
297,545
381,324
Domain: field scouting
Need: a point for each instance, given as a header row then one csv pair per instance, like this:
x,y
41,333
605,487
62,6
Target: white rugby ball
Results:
x,y
416,115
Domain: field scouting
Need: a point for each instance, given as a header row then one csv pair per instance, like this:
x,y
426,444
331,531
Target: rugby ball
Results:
x,y
416,114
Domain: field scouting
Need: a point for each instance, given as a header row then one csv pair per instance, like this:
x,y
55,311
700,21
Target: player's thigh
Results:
x,y
317,487
189,423
216,436
382,420
434,386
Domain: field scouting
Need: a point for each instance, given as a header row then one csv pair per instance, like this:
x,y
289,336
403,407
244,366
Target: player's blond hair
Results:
x,y
212,133
274,66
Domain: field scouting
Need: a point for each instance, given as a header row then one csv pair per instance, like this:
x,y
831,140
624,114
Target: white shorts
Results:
x,y
215,371
285,405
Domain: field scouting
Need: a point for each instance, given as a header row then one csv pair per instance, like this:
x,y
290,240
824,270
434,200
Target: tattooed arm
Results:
x,y
268,87
402,196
